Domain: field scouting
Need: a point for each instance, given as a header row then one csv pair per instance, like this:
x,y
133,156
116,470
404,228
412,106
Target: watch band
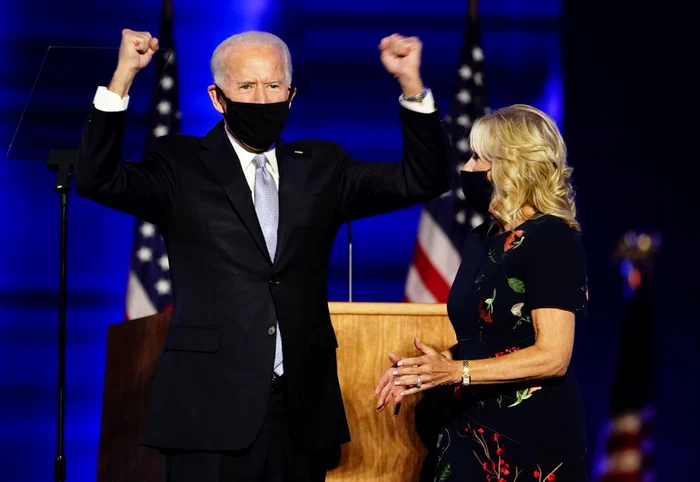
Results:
x,y
466,376
416,98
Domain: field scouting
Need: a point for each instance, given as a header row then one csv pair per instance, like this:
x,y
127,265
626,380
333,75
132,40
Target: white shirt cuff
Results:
x,y
108,101
426,106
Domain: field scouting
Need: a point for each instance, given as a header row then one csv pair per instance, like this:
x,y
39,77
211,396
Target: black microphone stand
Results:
x,y
62,161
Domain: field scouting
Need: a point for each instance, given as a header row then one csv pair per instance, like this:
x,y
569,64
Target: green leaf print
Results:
x,y
446,472
523,394
516,285
489,301
494,257
521,320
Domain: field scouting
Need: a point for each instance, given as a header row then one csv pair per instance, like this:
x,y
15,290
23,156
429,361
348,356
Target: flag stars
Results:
x,y
163,287
144,254
164,263
465,72
476,220
460,194
167,82
164,107
147,230
464,120
477,54
464,96
479,79
461,216
462,145
160,131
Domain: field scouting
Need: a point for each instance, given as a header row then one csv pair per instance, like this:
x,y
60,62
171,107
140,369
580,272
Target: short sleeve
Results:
x,y
554,268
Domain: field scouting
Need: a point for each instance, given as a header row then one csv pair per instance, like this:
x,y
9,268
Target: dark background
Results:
x,y
615,77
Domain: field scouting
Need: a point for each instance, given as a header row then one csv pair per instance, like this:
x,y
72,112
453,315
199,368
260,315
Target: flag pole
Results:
x,y
473,9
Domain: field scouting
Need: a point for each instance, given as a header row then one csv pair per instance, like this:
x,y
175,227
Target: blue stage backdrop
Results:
x,y
343,94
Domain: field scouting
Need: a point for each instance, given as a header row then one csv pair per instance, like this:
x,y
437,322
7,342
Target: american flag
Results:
x,y
626,448
149,289
447,221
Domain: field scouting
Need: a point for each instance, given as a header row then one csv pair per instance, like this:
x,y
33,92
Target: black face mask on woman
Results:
x,y
478,190
256,125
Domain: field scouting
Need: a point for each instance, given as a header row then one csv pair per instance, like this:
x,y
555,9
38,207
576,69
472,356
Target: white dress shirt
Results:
x,y
108,101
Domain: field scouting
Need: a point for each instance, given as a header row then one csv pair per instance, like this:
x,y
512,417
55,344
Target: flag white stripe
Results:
x,y
416,292
138,304
438,248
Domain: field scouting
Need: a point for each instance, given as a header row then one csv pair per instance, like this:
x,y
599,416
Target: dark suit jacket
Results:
x,y
213,378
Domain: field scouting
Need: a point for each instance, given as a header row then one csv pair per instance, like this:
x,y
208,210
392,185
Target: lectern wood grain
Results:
x,y
383,448
132,354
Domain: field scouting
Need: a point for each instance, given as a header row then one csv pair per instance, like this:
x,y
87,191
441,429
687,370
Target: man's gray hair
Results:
x,y
252,37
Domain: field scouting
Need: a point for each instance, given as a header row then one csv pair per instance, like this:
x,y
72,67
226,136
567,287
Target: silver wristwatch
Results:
x,y
416,98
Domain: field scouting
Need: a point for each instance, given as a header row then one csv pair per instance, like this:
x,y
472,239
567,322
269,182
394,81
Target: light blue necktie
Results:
x,y
267,208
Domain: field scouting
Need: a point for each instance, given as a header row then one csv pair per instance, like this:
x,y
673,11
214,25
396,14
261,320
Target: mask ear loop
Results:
x,y
292,90
220,92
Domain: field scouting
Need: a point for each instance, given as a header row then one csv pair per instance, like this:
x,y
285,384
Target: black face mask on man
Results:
x,y
478,190
256,125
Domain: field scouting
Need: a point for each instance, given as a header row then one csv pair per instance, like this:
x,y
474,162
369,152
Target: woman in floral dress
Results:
x,y
516,413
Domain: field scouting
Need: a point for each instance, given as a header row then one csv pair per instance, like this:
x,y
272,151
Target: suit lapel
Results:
x,y
220,158
292,179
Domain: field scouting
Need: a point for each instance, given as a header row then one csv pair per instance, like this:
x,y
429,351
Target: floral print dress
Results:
x,y
514,431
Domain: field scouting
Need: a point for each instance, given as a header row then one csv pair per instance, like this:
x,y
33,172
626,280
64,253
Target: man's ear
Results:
x,y
215,100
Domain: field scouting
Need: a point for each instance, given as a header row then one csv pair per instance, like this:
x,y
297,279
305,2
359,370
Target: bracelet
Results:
x,y
418,97
466,376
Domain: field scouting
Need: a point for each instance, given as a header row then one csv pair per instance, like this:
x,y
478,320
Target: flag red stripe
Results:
x,y
432,279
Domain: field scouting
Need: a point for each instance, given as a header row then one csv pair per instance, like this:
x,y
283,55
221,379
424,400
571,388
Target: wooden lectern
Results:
x,y
383,448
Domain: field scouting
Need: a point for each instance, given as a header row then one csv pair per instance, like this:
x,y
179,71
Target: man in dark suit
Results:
x,y
246,387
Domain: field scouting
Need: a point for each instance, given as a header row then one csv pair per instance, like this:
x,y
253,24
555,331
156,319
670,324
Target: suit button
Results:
x,y
271,330
274,282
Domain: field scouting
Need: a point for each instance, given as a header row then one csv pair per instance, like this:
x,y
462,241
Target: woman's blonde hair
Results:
x,y
529,163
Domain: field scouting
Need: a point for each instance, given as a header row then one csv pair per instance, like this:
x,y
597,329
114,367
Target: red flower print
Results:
x,y
499,452
496,437
513,240
547,478
485,313
480,430
506,351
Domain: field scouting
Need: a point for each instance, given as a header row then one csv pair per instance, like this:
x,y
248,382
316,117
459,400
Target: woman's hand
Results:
x,y
386,390
430,370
